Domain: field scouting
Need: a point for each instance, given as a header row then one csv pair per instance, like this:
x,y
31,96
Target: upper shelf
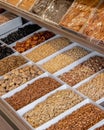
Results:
x,y
73,36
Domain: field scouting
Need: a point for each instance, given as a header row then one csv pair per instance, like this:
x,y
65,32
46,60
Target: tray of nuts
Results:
x,y
65,58
48,49
26,37
19,33
83,116
50,106
15,80
33,90
93,88
40,45
73,65
76,74
33,40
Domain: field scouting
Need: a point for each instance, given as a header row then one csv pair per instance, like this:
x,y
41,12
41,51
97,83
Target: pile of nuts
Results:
x,y
94,89
32,92
83,71
20,33
5,51
9,63
31,42
82,119
54,105
48,49
18,77
64,59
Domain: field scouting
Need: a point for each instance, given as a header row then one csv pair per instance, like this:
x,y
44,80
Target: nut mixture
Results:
x,y
64,59
95,26
81,119
9,63
100,128
36,39
5,51
78,14
94,89
20,33
83,71
32,92
26,4
52,107
47,49
18,77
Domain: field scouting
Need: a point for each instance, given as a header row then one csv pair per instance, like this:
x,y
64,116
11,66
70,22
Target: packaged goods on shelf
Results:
x,y
95,25
20,33
83,118
83,70
62,60
56,10
40,6
32,92
26,4
53,106
48,49
14,2
34,40
94,88
18,77
78,14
